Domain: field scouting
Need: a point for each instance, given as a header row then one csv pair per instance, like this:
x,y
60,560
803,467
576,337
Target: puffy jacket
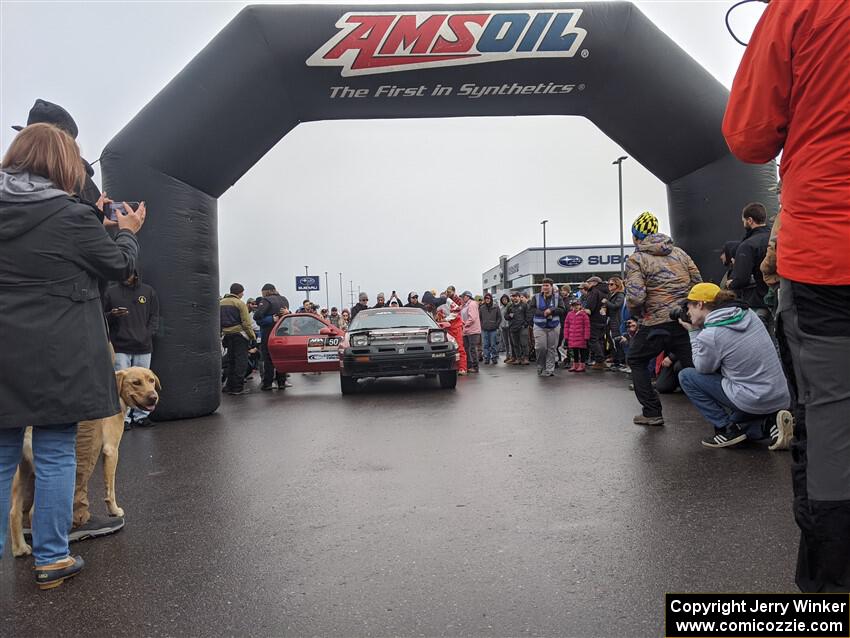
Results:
x,y
577,329
659,276
747,278
735,343
490,315
791,93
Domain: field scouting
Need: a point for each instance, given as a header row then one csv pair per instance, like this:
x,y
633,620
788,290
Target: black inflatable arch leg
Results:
x,y
180,256
701,204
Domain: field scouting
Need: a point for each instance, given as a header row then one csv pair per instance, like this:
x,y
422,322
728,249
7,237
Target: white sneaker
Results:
x,y
781,431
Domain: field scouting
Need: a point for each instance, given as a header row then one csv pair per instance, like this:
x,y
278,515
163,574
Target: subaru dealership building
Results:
x,y
564,264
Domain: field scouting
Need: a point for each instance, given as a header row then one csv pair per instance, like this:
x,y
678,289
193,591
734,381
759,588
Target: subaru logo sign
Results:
x,y
570,261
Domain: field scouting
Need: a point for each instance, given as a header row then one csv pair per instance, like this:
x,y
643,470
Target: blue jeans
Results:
x,y
706,393
491,346
124,361
53,448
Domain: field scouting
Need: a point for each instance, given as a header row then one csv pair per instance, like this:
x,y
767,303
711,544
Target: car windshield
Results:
x,y
299,326
392,318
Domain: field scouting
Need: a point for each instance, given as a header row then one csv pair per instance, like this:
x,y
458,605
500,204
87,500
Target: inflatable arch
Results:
x,y
273,67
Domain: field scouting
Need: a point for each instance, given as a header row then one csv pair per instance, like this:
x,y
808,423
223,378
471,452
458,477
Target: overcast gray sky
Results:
x,y
384,221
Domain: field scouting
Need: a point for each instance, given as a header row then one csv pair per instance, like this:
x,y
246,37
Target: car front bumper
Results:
x,y
397,365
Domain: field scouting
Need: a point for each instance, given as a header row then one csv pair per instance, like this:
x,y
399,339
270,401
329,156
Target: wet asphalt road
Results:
x,y
515,505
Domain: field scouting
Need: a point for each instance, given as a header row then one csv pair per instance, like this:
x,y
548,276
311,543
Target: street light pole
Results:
x,y
307,274
619,163
543,223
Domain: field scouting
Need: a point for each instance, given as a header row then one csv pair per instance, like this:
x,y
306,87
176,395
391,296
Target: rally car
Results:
x,y
396,342
303,342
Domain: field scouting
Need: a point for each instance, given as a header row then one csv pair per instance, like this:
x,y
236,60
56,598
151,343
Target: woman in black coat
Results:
x,y
614,308
57,366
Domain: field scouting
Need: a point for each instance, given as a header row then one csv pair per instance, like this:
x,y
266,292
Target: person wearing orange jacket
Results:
x,y
792,94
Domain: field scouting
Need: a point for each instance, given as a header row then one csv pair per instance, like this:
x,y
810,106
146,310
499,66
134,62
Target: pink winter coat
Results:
x,y
577,329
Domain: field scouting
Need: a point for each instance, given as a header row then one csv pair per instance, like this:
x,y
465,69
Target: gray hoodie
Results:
x,y
735,342
19,187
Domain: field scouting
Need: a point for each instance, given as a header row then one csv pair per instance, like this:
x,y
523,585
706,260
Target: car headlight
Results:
x,y
360,340
437,336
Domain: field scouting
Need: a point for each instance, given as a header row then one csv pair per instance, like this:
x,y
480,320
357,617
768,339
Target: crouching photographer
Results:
x,y
737,381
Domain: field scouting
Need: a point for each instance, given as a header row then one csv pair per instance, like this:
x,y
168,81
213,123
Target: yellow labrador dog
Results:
x,y
137,388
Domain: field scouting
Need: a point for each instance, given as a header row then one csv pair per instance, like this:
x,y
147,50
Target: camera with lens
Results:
x,y
680,312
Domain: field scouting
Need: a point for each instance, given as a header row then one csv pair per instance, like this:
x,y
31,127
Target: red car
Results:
x,y
303,342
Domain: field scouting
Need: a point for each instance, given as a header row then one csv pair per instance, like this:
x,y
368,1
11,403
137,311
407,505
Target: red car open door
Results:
x,y
302,342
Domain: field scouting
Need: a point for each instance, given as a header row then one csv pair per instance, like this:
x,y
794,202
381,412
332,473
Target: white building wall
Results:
x,y
570,263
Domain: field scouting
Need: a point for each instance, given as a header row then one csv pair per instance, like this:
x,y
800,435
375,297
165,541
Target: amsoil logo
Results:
x,y
385,42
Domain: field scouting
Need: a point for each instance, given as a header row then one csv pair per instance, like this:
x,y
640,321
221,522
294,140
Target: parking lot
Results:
x,y
515,505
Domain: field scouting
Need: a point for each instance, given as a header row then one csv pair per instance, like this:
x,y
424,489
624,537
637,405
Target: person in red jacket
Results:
x,y
792,93
450,312
576,334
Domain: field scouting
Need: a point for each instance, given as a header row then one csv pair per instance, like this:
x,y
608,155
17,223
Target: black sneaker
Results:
x,y
236,393
264,388
731,435
96,526
781,431
640,419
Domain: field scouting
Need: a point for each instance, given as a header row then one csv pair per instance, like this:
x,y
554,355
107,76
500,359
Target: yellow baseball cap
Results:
x,y
703,292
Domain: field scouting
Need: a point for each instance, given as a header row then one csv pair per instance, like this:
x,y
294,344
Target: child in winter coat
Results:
x,y
576,334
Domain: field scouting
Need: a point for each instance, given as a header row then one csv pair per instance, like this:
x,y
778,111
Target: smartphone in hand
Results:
x,y
111,209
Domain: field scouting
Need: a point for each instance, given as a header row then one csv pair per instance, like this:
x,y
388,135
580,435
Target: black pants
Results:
x,y
269,373
597,341
668,379
647,344
236,361
519,343
579,355
472,345
616,347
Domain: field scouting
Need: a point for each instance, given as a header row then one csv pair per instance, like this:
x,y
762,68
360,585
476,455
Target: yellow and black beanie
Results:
x,y
645,224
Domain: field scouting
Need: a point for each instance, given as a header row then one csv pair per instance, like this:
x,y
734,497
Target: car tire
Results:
x,y
448,380
348,385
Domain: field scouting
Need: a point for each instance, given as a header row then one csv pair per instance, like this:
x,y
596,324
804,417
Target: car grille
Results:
x,y
388,341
